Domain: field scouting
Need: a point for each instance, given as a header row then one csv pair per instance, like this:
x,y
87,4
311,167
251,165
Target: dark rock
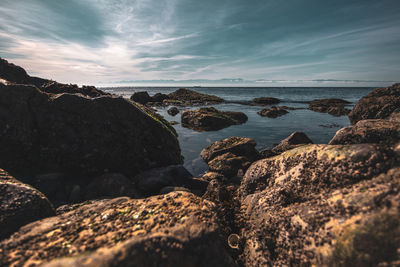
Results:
x,y
141,97
159,97
211,119
209,176
266,100
169,189
186,97
173,111
332,106
13,73
369,131
173,122
292,141
273,112
69,133
20,204
176,229
378,104
59,88
152,181
229,164
216,192
267,153
110,185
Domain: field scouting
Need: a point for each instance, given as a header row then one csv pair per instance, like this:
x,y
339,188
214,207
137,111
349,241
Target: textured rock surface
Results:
x,y
266,100
211,119
173,111
20,204
186,97
177,229
368,131
318,205
141,97
272,112
378,104
332,106
43,133
292,141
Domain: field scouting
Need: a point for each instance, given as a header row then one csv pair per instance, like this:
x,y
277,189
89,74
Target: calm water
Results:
x,y
320,127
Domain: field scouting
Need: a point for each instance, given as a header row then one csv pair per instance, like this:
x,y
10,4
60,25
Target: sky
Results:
x,y
207,42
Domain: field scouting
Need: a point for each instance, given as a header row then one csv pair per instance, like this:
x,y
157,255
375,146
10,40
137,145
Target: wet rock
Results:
x,y
332,106
292,141
378,104
69,133
368,131
141,97
176,229
273,112
211,119
173,111
173,122
20,204
266,100
186,97
111,185
152,181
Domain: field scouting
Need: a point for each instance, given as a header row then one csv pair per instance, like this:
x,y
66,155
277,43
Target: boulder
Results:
x,y
369,131
292,141
211,119
176,229
378,104
332,106
70,133
141,97
186,97
59,88
272,112
266,100
20,204
110,185
319,205
173,111
159,97
229,165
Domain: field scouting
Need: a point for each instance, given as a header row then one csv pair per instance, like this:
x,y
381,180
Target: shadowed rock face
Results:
x,y
20,204
378,104
177,229
211,119
44,133
321,205
293,140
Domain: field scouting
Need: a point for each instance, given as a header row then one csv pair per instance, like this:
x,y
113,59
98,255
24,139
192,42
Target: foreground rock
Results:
x,y
378,104
369,131
211,119
69,133
332,106
177,229
273,112
319,205
266,100
20,204
230,157
186,97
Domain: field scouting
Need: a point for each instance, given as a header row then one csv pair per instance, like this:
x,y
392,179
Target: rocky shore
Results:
x,y
92,179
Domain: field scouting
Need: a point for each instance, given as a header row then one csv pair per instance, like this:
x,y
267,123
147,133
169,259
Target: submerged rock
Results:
x,y
177,229
211,119
266,100
186,97
332,106
20,204
273,112
69,133
378,104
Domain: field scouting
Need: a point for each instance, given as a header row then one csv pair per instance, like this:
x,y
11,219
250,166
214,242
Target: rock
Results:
x,y
69,133
169,189
273,112
141,97
332,106
378,104
152,181
176,229
110,185
266,100
216,192
368,131
173,111
173,122
20,204
186,97
209,176
229,164
59,88
267,153
354,225
211,119
159,97
13,73
292,141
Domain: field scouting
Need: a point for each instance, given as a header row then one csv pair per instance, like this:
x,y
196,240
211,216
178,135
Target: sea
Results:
x,y
267,132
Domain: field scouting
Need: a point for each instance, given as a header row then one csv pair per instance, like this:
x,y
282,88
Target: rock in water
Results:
x,y
272,112
211,119
266,100
20,204
378,104
186,97
332,106
177,229
69,133
173,111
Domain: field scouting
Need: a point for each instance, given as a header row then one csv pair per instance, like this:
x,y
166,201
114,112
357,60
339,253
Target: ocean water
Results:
x,y
319,127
